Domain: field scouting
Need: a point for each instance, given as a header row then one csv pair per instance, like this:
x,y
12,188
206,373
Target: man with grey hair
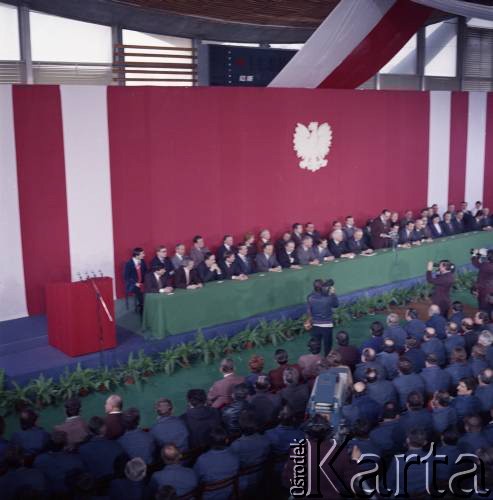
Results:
x,y
437,321
337,246
395,331
432,345
114,422
220,394
168,428
133,485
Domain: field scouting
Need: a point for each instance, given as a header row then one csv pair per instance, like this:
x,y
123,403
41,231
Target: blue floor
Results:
x,y
25,352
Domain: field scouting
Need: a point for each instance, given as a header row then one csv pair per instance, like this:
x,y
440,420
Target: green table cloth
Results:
x,y
223,302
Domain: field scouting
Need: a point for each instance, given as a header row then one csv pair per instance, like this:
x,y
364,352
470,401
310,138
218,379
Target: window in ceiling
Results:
x,y
133,77
404,62
441,49
9,33
57,39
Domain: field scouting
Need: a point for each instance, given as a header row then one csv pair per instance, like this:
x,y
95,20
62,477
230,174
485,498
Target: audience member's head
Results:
x,y
290,376
262,384
164,407
170,454
196,398
393,319
256,363
72,407
218,438
368,354
281,356
136,470
227,366
27,419
131,418
377,329
248,423
240,392
405,366
97,426
342,338
415,401
114,404
314,345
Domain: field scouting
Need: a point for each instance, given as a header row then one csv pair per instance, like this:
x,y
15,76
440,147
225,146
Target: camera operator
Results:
x,y
484,284
320,304
442,281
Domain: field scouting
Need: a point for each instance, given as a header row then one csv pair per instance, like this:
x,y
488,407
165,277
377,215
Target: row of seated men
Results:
x,y
412,384
304,245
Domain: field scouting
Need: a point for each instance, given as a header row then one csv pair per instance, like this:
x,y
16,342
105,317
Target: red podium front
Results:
x,y
75,316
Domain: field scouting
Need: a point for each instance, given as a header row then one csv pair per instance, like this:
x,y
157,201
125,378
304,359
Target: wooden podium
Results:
x,y
77,321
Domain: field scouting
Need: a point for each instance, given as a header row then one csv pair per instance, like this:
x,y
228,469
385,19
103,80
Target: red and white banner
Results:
x,y
355,40
87,173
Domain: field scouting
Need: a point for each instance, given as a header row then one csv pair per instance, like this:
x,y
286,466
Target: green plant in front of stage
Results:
x,y
43,391
105,379
19,397
168,361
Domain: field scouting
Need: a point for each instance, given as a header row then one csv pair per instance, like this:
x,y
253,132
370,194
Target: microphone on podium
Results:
x,y
101,274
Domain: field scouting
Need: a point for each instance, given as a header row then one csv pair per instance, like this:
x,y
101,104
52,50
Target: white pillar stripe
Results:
x,y
439,149
12,285
476,142
339,34
87,173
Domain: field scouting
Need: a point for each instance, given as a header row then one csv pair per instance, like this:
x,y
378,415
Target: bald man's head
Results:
x,y
114,403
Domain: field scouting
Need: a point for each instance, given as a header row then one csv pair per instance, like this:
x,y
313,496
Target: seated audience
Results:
x,y
395,331
466,403
229,270
256,366
437,321
220,394
432,345
183,479
136,442
57,464
114,421
243,263
231,412
251,246
31,439
217,464
281,242
132,486
322,252
380,390
443,413
99,453
276,376
295,394
350,355
434,377
413,326
308,362
312,232
407,381
297,233
74,426
264,238
200,419
265,404
168,428
337,246
356,243
376,339
161,259
389,359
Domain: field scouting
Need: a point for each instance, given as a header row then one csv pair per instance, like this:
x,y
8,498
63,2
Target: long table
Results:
x,y
222,302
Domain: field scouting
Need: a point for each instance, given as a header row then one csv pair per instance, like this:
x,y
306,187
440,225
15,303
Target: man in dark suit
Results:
x,y
287,257
467,214
100,453
442,283
208,270
229,270
227,246
459,224
477,223
419,234
168,428
243,264
337,246
380,230
436,228
200,419
297,233
266,260
180,254
161,258
311,231
349,228
113,422
136,442
408,217
187,277
135,271
198,250
279,244
357,245
406,234
31,439
155,281
448,224
305,253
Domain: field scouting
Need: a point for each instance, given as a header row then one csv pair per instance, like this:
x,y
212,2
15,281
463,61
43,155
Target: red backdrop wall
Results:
x,y
216,161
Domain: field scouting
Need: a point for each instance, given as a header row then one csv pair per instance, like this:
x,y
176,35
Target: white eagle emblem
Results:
x,y
312,144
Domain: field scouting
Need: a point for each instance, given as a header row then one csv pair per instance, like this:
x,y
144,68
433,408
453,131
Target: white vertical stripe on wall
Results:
x,y
87,172
12,285
439,149
476,138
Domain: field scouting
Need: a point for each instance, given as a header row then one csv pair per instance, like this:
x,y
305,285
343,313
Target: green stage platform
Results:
x,y
222,302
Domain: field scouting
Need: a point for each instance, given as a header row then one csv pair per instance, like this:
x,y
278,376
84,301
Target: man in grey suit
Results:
x,y
198,250
177,259
305,252
266,260
322,252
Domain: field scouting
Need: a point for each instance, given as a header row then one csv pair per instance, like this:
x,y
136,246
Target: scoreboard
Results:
x,y
245,66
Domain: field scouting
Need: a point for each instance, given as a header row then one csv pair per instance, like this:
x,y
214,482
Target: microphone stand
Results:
x,y
100,304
